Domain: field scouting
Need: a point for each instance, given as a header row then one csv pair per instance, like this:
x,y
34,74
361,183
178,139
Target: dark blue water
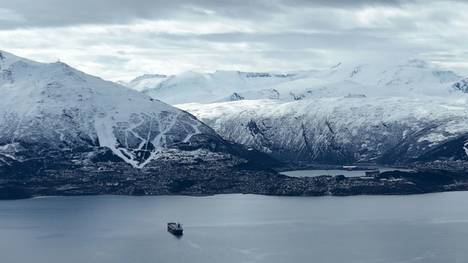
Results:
x,y
236,228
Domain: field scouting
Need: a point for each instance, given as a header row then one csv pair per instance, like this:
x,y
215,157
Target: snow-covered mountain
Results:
x,y
345,129
207,87
145,82
388,112
409,78
54,108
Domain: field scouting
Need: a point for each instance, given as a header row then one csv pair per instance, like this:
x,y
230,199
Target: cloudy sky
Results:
x,y
120,39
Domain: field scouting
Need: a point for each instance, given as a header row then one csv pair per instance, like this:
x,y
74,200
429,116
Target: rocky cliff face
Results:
x,y
461,85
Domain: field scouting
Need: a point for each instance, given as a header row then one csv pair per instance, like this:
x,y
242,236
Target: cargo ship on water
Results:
x,y
175,228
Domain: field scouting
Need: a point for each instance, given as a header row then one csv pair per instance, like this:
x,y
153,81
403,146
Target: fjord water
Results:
x,y
333,172
236,228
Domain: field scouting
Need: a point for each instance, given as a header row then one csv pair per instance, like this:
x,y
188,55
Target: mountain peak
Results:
x,y
148,76
53,105
7,59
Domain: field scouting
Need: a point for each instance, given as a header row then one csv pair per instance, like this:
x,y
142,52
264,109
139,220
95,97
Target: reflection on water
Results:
x,y
236,228
347,173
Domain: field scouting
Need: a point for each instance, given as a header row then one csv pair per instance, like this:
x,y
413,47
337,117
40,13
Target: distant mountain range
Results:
x,y
387,112
64,132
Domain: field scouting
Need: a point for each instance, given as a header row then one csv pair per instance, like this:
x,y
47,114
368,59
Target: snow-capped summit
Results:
x,y
392,112
149,76
6,59
413,77
145,81
56,108
208,87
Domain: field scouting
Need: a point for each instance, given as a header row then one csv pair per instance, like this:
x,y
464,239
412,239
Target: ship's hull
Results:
x,y
173,229
175,232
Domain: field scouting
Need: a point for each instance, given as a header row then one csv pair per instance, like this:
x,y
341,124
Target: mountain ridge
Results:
x,y
58,106
347,113
412,77
64,132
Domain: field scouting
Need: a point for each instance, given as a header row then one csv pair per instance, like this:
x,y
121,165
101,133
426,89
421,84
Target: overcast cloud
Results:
x,y
120,39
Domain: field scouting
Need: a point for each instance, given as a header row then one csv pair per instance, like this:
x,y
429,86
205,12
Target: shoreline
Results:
x,y
249,182
231,194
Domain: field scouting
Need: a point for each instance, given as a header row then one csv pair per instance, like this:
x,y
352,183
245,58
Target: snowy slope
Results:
x,y
338,129
408,78
145,82
394,113
209,87
53,107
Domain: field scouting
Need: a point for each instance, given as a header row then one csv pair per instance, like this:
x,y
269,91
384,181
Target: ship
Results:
x,y
175,228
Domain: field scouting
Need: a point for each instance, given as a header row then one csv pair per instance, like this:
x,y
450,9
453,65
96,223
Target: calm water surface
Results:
x,y
352,173
236,228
